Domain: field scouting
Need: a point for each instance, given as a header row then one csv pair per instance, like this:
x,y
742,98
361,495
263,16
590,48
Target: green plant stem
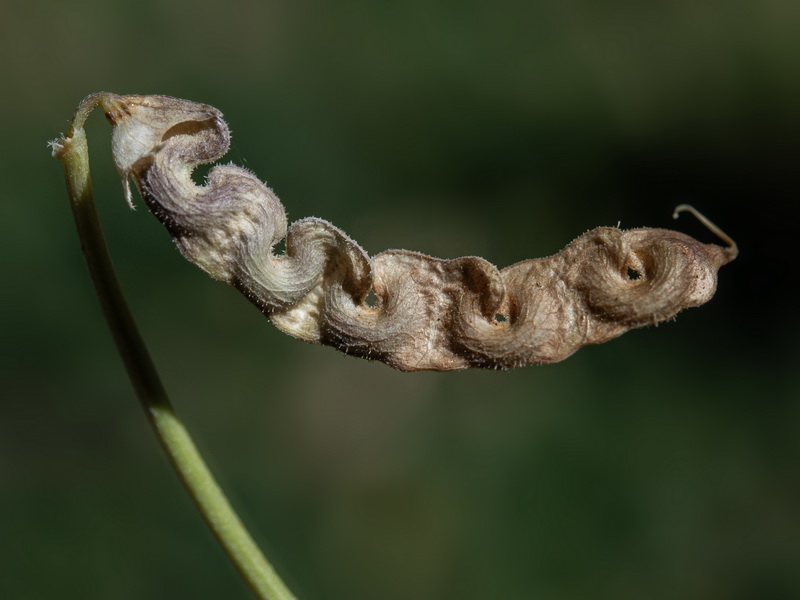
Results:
x,y
73,151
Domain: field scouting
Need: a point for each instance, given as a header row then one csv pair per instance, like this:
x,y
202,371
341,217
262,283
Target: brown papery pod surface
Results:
x,y
429,313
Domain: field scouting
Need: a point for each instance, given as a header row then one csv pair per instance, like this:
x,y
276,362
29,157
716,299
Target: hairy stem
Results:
x,y
72,150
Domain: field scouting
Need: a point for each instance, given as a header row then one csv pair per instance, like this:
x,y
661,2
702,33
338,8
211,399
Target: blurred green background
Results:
x,y
660,465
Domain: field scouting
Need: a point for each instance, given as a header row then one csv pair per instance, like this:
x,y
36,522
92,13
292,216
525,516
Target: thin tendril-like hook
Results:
x,y
708,223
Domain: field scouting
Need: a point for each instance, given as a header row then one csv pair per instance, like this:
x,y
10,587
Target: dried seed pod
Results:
x,y
430,313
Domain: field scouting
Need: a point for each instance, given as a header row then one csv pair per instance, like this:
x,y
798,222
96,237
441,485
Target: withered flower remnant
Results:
x,y
429,313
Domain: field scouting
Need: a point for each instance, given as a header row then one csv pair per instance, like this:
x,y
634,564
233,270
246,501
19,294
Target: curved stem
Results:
x,y
72,150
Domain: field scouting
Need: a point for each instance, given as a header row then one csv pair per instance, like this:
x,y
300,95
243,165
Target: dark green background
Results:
x,y
661,465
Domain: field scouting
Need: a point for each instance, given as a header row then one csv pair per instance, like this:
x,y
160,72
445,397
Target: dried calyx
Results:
x,y
427,313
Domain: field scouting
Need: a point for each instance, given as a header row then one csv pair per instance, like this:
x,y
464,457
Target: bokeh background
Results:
x,y
660,465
